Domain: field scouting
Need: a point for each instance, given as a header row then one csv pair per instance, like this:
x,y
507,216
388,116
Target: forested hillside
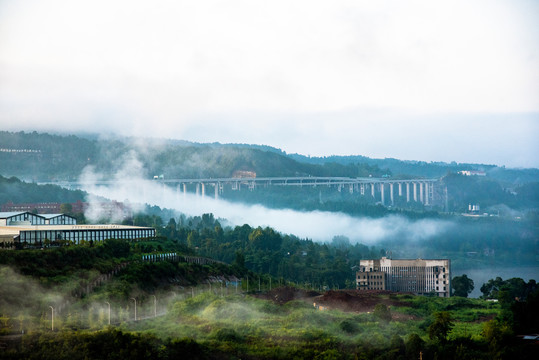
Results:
x,y
17,191
44,157
401,168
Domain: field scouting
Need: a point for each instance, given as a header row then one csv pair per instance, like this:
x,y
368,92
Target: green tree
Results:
x,y
462,285
442,325
382,312
239,261
66,208
490,288
414,345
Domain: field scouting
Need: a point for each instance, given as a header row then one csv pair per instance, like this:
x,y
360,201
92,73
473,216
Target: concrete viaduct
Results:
x,y
417,190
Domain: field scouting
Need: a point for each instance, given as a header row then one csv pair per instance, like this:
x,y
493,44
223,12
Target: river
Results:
x,y
481,276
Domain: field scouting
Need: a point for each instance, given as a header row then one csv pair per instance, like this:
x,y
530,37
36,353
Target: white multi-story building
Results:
x,y
418,276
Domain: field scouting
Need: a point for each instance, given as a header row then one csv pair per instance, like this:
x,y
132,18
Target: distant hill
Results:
x,y
427,169
43,157
17,191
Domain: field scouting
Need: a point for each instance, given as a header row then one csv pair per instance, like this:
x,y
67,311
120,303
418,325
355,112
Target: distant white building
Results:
x,y
472,173
418,276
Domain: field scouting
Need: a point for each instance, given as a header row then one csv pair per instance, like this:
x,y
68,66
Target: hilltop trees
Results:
x,y
462,285
267,251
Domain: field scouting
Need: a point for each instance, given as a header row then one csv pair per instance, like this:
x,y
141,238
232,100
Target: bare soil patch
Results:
x,y
344,300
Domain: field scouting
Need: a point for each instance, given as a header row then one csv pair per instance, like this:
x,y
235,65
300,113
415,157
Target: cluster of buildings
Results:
x,y
420,276
36,230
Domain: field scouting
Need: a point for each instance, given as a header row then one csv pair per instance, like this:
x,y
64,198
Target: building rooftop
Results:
x,y
7,214
4,230
50,216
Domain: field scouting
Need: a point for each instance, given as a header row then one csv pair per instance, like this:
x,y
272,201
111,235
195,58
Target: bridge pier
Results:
x,y
426,194
372,189
391,193
382,193
407,192
421,192
400,189
415,191
163,193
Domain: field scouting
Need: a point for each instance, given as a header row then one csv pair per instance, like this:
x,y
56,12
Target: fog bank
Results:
x,y
129,185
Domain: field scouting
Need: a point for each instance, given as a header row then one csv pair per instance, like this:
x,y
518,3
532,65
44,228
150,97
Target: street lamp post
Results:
x,y
106,302
52,318
135,300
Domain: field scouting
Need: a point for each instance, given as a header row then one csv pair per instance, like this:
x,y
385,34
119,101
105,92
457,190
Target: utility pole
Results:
x,y
154,306
135,300
52,318
106,302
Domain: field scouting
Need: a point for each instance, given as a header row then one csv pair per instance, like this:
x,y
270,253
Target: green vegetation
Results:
x,y
199,312
209,326
462,285
16,191
64,158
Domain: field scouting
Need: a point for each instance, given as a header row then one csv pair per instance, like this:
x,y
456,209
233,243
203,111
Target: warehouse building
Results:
x,y
40,235
36,230
420,276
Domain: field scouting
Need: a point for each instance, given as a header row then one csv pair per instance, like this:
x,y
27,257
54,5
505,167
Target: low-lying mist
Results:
x,y
130,185
20,295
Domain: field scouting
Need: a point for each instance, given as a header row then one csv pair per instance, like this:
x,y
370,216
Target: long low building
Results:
x,y
39,235
419,276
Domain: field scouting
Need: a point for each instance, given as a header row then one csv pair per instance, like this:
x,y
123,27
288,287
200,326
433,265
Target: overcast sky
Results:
x,y
424,80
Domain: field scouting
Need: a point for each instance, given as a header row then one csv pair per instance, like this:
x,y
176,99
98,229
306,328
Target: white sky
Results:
x,y
425,80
